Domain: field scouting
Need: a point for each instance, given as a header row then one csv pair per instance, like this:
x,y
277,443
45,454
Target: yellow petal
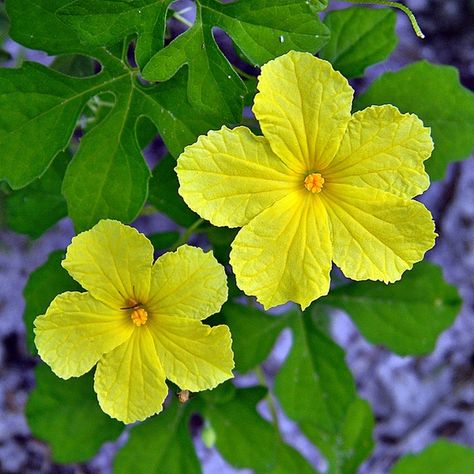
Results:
x,y
76,330
303,108
383,149
187,283
284,254
130,381
376,235
195,356
112,261
229,176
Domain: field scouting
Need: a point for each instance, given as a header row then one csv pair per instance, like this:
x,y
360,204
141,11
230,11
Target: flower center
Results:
x,y
139,316
314,182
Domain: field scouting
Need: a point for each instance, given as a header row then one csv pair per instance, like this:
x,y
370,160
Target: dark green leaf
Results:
x,y
245,439
50,34
4,24
66,414
435,94
161,444
221,239
108,176
106,22
316,389
359,38
262,30
43,285
442,457
164,193
39,109
34,209
163,240
407,316
74,65
253,334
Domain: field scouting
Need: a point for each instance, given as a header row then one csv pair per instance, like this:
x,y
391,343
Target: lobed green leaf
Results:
x,y
253,334
34,209
66,415
407,316
442,457
245,439
160,444
316,389
359,38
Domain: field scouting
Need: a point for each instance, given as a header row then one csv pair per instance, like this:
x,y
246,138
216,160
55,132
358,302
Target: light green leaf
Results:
x,y
407,316
442,457
435,94
34,209
316,389
359,38
161,444
245,439
43,285
262,30
164,195
66,414
253,334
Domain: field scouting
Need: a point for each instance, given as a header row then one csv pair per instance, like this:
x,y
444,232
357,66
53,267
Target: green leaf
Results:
x,y
253,334
28,31
161,444
318,5
164,195
407,316
39,109
108,177
316,389
42,287
66,414
359,38
34,209
246,440
442,457
106,22
221,239
76,65
435,94
163,240
261,29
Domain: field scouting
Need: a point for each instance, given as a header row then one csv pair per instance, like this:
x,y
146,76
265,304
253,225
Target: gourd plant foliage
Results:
x,y
71,141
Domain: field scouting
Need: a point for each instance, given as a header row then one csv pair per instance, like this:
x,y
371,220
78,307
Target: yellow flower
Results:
x,y
139,322
321,185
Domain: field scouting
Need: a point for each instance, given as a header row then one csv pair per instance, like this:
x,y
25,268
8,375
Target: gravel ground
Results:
x,y
415,400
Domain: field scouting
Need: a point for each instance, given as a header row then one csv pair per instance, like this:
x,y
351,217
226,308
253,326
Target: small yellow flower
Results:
x,y
139,322
321,185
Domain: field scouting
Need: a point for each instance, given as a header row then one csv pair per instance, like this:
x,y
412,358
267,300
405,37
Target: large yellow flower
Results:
x,y
321,185
139,322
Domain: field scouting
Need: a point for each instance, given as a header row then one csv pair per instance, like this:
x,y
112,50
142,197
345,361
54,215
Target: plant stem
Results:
x,y
400,6
270,402
186,235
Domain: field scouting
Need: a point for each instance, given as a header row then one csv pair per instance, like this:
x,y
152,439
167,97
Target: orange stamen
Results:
x,y
314,182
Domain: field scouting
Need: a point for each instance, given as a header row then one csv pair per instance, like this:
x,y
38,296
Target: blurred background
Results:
x,y
415,400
